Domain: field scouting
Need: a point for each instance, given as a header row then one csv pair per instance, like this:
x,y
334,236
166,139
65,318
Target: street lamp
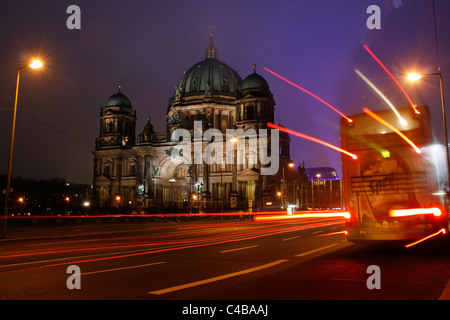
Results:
x,y
67,199
234,193
415,77
34,65
233,140
279,197
283,183
21,201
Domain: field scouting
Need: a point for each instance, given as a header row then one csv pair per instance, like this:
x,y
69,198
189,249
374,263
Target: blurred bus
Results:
x,y
391,191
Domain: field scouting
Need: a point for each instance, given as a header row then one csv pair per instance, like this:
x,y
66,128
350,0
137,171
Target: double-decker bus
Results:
x,y
396,188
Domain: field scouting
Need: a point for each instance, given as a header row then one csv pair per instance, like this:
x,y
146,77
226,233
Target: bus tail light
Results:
x,y
413,212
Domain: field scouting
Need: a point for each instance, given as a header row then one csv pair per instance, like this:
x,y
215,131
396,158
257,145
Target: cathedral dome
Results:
x,y
255,81
119,100
209,77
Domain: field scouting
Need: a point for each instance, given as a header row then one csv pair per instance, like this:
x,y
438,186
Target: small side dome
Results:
x,y
119,100
254,81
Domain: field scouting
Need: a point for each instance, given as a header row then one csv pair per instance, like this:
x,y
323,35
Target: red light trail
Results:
x,y
393,78
390,126
344,232
310,93
414,212
304,136
262,229
443,231
304,214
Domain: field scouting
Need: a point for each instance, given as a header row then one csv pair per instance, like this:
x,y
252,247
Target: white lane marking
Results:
x,y
291,238
316,250
214,279
241,248
445,295
123,268
317,232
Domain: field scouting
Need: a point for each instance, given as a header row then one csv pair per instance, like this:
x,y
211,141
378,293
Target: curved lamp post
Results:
x,y
34,65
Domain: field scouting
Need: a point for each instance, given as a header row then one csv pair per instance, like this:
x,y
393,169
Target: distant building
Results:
x,y
141,172
325,188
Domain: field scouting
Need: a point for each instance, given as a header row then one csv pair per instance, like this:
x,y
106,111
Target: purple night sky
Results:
x,y
147,45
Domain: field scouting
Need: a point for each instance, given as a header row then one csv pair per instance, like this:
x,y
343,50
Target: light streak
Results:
x,y
387,124
393,78
319,214
304,136
310,93
333,233
272,229
382,96
413,212
443,231
106,216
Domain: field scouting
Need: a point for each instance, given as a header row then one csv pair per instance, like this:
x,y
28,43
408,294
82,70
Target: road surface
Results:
x,y
223,260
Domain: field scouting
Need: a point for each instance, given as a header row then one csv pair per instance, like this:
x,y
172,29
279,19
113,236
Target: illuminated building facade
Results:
x,y
325,188
142,172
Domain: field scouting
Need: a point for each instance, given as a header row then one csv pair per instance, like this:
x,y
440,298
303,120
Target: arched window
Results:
x,y
250,113
180,172
132,169
107,169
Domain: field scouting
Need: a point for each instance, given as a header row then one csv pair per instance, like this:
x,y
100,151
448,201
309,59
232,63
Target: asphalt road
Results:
x,y
307,259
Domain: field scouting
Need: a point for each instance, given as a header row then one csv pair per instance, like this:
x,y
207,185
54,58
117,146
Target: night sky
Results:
x,y
147,45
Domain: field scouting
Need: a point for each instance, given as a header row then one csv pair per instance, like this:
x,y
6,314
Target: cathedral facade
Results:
x,y
143,172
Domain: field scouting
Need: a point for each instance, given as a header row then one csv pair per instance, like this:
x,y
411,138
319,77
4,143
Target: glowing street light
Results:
x,y
414,77
34,65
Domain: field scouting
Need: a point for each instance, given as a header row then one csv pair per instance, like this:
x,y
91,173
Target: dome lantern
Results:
x,y
211,51
210,77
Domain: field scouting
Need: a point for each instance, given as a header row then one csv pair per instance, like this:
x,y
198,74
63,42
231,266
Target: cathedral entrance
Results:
x,y
172,185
